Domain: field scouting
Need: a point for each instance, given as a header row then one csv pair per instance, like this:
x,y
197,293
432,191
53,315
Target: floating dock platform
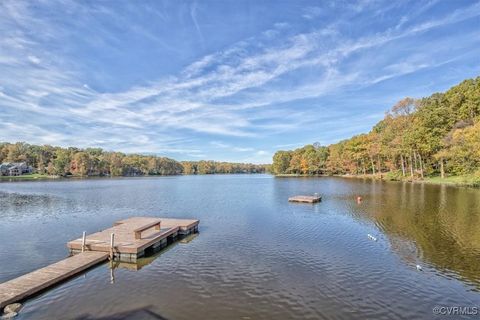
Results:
x,y
306,199
126,241
134,236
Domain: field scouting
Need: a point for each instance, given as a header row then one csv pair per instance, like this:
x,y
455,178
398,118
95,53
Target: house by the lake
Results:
x,y
15,169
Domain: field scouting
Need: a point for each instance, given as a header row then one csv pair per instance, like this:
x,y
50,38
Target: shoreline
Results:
x,y
28,177
458,181
43,177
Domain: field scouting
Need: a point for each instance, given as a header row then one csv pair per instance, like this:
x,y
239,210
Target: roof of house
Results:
x,y
11,165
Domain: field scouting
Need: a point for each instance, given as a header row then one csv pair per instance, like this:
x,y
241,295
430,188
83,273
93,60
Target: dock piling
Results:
x,y
84,239
112,242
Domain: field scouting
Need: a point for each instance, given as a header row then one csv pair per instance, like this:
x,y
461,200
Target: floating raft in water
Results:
x,y
305,199
131,239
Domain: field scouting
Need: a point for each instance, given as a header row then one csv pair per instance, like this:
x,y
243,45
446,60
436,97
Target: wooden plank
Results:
x,y
36,281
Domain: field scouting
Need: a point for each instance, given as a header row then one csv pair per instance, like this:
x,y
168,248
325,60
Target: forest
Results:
x,y
434,136
57,161
215,167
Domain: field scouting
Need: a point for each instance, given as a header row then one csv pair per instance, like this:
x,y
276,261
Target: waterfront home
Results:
x,y
15,169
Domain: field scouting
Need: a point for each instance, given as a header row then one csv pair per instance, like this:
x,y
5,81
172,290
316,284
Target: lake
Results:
x,y
257,256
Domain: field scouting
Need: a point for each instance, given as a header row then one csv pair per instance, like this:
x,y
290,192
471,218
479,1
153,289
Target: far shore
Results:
x,y
38,176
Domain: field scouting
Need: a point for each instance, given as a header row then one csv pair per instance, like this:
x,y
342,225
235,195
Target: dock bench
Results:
x,y
138,231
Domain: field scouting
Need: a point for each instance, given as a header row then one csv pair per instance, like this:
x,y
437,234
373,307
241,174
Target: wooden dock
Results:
x,y
134,236
36,281
125,241
306,199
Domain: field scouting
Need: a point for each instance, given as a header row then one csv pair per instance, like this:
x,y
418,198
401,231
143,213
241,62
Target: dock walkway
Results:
x,y
131,238
36,281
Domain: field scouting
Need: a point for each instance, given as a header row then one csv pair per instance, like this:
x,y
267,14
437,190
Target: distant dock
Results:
x,y
306,199
126,241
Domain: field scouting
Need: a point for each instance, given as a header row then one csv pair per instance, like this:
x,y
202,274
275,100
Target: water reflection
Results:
x,y
422,222
151,255
145,313
258,256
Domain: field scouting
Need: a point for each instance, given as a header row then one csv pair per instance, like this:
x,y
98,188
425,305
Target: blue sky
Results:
x,y
222,80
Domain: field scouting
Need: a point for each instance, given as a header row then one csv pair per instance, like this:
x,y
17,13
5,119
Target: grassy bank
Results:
x,y
465,180
33,176
470,181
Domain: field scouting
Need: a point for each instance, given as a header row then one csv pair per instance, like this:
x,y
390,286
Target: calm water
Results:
x,y
257,256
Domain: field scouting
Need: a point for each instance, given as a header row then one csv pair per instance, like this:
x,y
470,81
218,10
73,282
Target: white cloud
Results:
x,y
242,149
223,145
312,12
33,59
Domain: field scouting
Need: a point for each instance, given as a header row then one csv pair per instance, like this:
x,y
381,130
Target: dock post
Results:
x,y
112,242
84,238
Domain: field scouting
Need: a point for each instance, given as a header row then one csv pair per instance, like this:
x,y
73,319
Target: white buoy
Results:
x,y
419,267
371,237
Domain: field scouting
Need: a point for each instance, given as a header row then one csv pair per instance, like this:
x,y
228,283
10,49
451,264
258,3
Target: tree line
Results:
x,y
71,161
215,167
436,135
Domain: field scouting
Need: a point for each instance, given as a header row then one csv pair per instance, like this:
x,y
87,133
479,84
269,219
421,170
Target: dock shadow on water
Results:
x,y
144,313
150,255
